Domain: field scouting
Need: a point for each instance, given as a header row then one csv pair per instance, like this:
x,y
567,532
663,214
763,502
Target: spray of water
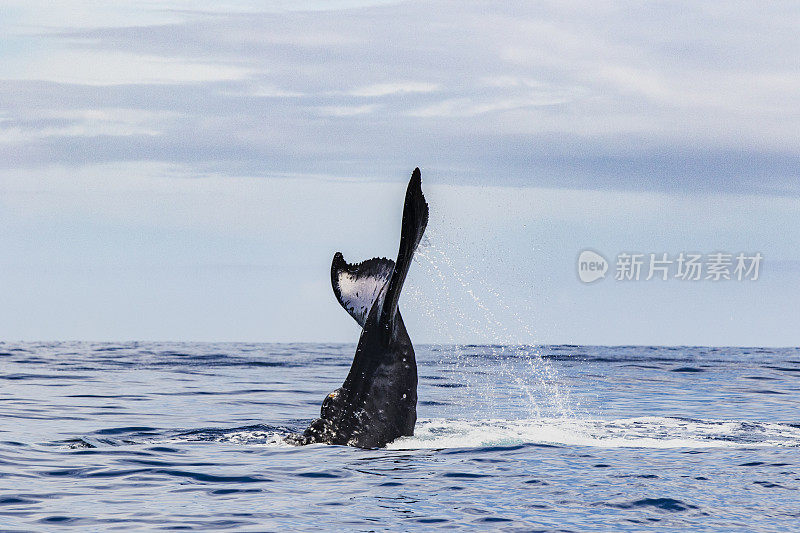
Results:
x,y
465,305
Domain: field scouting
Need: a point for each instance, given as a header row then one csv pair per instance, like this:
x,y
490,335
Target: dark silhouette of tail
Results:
x,y
415,220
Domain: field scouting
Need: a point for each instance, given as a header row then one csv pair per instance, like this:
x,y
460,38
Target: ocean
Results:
x,y
190,436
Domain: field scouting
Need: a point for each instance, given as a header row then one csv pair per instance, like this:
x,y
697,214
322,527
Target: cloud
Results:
x,y
400,87
117,68
575,94
347,111
82,123
465,107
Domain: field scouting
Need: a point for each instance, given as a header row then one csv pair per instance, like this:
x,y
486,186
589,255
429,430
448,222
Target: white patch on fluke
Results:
x,y
358,286
358,294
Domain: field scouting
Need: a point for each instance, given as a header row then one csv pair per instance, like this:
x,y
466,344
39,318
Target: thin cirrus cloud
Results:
x,y
84,123
400,87
347,111
90,67
465,107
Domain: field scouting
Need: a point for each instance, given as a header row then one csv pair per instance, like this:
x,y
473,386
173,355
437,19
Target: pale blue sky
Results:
x,y
179,171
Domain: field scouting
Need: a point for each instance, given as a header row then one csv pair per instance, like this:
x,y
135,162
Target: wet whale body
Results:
x,y
377,402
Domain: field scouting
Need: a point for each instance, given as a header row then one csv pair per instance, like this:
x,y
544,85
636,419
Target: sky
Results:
x,y
186,170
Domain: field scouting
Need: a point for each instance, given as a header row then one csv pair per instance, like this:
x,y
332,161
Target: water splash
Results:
x,y
464,304
640,432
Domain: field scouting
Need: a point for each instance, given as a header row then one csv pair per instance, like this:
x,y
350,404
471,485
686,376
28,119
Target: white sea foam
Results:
x,y
642,432
639,432
246,437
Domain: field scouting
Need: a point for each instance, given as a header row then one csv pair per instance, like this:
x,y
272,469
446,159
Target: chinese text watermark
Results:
x,y
684,266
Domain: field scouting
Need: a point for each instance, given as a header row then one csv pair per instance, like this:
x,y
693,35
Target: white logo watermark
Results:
x,y
591,266
684,266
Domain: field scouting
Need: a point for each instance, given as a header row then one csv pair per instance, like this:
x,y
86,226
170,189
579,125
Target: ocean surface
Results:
x,y
182,436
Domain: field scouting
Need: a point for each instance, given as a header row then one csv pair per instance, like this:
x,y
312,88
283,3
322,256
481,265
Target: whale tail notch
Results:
x,y
415,220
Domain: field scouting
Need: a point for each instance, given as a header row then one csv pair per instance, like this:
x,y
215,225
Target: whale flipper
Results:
x,y
358,286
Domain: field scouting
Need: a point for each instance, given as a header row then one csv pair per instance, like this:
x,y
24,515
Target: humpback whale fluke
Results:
x,y
378,401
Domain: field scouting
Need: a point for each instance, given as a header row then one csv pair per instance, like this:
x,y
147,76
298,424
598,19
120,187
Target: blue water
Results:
x,y
153,436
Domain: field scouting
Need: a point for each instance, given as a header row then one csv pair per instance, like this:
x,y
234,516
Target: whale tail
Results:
x,y
415,220
359,286
378,400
